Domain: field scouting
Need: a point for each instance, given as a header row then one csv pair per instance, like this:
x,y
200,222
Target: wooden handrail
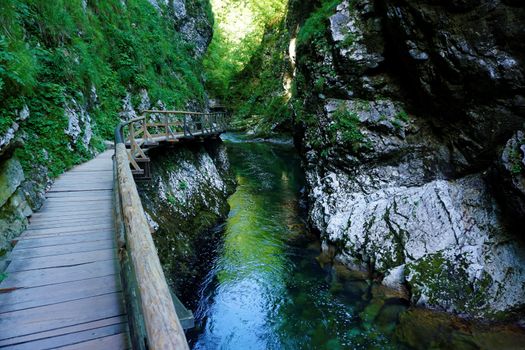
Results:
x,y
154,323
163,328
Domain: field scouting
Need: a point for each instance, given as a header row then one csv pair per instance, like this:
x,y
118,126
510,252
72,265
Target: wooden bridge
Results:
x,y
85,274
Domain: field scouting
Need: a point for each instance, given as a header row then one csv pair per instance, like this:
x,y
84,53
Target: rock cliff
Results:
x,y
410,116
187,197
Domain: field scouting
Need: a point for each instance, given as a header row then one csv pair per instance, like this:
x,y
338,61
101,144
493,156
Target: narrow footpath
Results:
x,y
63,285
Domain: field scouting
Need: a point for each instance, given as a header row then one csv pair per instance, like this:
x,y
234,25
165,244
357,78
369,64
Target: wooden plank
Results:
x,y
49,317
79,178
114,342
96,171
87,178
80,182
82,247
46,241
65,260
68,230
74,215
79,204
57,213
56,222
72,338
80,188
26,298
37,278
93,217
76,198
76,194
64,331
72,235
73,223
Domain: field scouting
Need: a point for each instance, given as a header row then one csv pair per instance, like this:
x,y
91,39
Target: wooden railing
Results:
x,y
166,126
151,312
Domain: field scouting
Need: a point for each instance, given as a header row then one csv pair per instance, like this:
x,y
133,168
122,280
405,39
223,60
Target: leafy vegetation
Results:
x,y
314,28
346,126
52,51
239,29
258,93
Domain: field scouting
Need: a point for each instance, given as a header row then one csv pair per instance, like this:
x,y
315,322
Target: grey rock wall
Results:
x,y
425,190
185,198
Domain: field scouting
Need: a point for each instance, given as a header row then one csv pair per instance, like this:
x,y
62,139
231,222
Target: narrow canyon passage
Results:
x,y
267,289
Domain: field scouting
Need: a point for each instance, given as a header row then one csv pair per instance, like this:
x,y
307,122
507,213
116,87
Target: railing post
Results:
x,y
166,126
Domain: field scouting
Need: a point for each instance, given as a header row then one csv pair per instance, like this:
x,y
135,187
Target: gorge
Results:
x,y
372,194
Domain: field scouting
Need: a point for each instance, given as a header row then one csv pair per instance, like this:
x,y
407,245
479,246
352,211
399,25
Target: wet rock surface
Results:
x,y
413,150
185,199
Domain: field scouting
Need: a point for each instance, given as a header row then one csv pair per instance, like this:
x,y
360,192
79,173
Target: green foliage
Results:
x,y
403,116
238,31
51,51
314,28
3,276
257,94
346,126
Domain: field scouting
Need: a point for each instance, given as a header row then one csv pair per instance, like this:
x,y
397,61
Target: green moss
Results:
x,y
403,116
172,200
444,282
516,164
183,185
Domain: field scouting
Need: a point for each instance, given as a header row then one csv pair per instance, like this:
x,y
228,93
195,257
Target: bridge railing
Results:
x,y
153,320
166,126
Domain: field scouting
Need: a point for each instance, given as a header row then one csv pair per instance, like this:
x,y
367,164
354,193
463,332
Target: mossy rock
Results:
x,y
11,176
446,284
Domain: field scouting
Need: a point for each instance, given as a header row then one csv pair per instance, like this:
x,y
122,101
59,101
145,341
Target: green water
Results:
x,y
267,290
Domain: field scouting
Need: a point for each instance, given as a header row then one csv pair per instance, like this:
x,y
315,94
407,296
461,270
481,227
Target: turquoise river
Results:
x,y
269,287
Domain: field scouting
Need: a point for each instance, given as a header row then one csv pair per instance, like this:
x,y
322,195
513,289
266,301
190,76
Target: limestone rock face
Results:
x,y
185,198
9,139
79,124
412,148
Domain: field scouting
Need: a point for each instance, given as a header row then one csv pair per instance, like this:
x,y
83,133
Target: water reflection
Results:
x,y
267,290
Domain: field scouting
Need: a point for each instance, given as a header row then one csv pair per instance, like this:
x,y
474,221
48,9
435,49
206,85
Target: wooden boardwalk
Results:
x,y
63,286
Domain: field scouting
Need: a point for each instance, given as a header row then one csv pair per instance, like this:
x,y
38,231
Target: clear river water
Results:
x,y
268,287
